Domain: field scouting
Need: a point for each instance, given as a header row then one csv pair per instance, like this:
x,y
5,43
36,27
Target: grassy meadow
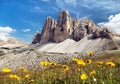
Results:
x,y
90,69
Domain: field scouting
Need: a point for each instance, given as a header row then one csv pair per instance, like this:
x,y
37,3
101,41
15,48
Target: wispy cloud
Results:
x,y
5,32
37,9
89,7
26,30
55,8
48,10
46,0
113,23
105,4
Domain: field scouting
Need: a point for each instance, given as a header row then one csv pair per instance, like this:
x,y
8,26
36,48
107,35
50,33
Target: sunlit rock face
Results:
x,y
64,26
67,27
48,30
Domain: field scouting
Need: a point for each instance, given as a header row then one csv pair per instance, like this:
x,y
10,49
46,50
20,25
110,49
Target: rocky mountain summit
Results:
x,y
67,27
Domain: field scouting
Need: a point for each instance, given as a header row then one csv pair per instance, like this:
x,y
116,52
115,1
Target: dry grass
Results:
x,y
57,74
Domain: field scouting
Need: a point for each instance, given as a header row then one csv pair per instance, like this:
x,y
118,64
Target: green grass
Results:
x,y
57,75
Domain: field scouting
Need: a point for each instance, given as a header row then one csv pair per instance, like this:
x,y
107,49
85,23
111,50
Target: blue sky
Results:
x,y
22,18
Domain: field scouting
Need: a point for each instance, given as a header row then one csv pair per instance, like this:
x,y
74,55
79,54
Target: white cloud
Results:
x,y
113,23
26,30
54,8
5,32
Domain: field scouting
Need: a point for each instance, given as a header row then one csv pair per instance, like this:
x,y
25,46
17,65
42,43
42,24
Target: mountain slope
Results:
x,y
82,46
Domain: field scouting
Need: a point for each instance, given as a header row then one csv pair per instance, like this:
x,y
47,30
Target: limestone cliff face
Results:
x,y
67,27
64,26
48,30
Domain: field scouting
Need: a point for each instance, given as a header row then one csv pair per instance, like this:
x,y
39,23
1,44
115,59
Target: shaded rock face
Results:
x,y
48,30
102,33
36,38
79,33
67,27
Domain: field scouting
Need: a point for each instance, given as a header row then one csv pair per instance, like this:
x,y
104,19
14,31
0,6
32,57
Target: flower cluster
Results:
x,y
45,63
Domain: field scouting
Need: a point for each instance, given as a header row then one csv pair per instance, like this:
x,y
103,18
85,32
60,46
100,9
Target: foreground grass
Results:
x,y
87,70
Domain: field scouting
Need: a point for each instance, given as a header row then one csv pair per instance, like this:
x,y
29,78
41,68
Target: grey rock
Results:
x,y
102,32
79,33
88,25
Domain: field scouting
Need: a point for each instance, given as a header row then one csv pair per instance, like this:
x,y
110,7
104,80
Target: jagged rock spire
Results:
x,y
48,30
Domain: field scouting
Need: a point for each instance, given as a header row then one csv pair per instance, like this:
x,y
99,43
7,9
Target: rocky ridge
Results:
x,y
67,27
11,41
11,44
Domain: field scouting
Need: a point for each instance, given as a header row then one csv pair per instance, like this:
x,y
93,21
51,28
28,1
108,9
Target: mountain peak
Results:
x,y
64,12
67,27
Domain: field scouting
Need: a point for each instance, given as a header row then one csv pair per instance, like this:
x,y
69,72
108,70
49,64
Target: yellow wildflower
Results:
x,y
32,80
25,70
99,63
66,68
74,59
83,76
78,69
27,76
110,64
15,77
92,72
11,76
21,67
44,63
90,53
88,61
6,70
81,62
52,64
